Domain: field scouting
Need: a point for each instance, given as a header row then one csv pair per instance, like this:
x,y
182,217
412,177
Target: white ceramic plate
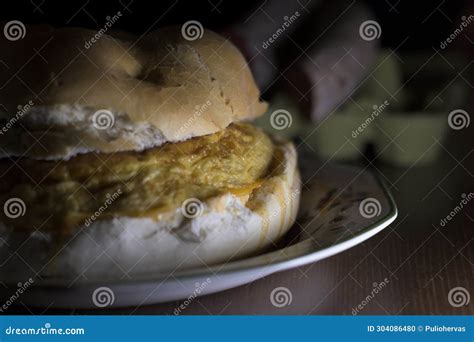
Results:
x,y
340,207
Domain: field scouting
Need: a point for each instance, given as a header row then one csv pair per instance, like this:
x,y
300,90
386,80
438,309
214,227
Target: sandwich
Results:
x,y
135,154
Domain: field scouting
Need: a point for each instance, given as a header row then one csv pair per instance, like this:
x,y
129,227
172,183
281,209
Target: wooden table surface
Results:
x,y
421,259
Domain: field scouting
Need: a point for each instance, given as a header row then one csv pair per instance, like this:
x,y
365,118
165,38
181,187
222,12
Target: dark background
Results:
x,y
422,262
423,22
398,19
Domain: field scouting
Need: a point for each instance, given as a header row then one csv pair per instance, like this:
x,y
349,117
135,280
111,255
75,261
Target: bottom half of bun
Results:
x,y
217,230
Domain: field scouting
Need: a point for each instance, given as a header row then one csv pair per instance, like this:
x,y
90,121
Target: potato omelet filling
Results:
x,y
60,195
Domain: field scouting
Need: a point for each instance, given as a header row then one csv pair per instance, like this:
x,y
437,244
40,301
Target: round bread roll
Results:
x,y
198,234
76,91
121,96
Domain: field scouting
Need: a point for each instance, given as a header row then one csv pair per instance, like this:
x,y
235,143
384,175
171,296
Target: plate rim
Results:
x,y
236,266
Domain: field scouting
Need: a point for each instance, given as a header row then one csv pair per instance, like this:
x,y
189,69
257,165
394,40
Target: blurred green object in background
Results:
x,y
283,117
400,109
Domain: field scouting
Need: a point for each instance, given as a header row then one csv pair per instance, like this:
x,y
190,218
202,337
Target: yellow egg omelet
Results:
x,y
60,195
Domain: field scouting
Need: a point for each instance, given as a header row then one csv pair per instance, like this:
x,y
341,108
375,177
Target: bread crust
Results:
x,y
229,227
122,93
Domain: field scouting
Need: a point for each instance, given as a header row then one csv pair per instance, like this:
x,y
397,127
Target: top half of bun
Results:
x,y
69,91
